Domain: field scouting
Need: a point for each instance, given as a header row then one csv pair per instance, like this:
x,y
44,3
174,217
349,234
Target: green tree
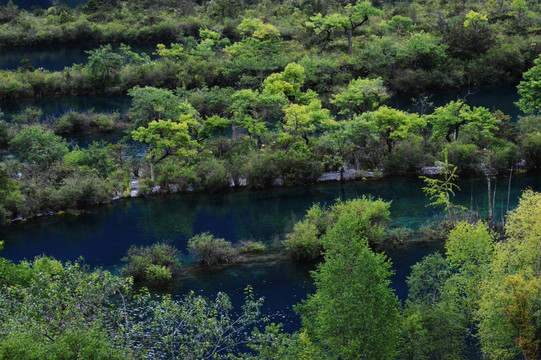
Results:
x,y
38,147
300,121
529,89
448,120
394,125
427,278
511,296
371,218
360,96
10,196
350,19
440,191
257,55
150,104
103,66
166,138
354,312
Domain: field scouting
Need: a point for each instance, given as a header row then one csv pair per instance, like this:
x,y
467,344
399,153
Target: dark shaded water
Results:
x,y
58,57
58,105
500,97
103,235
29,4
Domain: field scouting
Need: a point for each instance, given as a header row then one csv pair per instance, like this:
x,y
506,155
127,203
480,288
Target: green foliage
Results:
x,y
58,310
10,196
427,278
353,313
86,122
444,295
260,170
440,190
509,306
464,156
103,66
360,96
212,250
448,120
193,327
251,247
38,147
95,156
29,116
211,175
153,265
530,89
306,240
166,138
152,104
394,125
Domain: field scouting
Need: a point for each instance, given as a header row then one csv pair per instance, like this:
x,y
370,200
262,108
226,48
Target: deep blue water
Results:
x,y
103,235
500,97
58,57
29,4
58,105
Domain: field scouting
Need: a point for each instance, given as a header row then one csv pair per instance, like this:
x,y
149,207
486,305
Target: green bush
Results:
x,y
212,250
81,190
251,247
105,123
260,170
29,116
155,264
503,154
530,149
297,167
463,156
406,159
69,122
305,241
211,175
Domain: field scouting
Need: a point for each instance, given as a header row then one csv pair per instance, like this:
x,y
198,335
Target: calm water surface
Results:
x,y
58,57
103,235
29,4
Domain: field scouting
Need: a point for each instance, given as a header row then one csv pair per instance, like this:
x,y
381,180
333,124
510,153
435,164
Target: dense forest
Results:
x,y
277,93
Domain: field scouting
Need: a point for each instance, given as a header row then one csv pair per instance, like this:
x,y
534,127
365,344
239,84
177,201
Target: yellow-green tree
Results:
x,y
510,306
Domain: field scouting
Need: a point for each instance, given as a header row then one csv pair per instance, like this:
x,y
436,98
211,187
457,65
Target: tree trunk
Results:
x,y
489,200
152,171
349,35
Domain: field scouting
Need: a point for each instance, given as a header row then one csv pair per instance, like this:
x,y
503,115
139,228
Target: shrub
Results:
x,y
30,116
463,156
81,191
251,247
530,149
305,241
260,170
69,122
406,159
211,175
212,250
297,167
105,123
399,235
155,264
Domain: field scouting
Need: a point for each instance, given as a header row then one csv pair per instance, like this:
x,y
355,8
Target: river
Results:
x,y
58,57
103,235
